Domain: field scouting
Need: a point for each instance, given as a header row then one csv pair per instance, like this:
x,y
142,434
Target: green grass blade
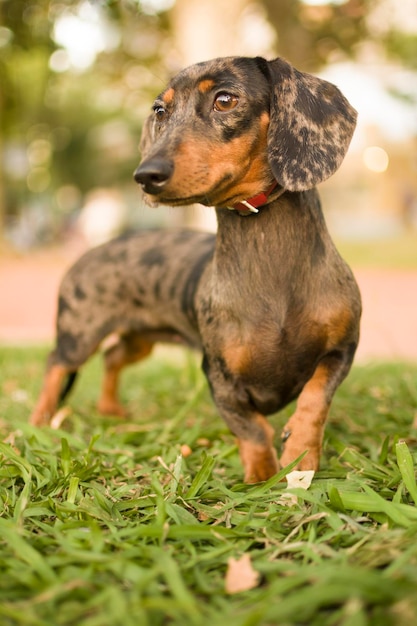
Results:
x,y
22,502
176,474
72,489
65,456
96,530
262,488
175,582
371,502
25,552
24,467
201,478
406,465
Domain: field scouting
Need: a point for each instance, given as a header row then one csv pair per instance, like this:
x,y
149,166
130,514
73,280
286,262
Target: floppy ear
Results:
x,y
311,125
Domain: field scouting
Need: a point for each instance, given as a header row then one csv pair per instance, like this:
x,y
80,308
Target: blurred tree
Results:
x,y
310,34
76,76
74,79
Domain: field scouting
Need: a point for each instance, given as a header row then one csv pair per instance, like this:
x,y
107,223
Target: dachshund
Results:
x,y
269,301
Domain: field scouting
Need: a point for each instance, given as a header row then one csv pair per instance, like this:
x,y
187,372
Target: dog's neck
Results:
x,y
257,253
252,205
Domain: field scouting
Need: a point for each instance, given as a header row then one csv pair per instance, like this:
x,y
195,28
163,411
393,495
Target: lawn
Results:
x,y
393,253
105,522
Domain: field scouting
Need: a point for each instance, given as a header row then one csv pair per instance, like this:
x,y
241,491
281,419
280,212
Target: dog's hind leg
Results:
x,y
51,394
305,429
128,349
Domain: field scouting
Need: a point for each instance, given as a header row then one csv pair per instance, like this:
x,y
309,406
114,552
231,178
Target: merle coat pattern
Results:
x,y
269,301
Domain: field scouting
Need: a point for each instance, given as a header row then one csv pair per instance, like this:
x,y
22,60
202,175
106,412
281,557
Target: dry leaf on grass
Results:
x,y
301,480
185,450
296,480
240,575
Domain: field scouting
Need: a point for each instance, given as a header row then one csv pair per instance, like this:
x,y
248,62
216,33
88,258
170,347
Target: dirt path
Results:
x,y
389,321
28,290
28,287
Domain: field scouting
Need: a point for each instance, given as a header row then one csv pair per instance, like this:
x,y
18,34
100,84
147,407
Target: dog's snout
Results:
x,y
154,174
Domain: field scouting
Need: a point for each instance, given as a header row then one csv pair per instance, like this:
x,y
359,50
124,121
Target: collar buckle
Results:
x,y
246,207
249,206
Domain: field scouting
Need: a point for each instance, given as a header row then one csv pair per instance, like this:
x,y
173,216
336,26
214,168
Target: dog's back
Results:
x,y
140,282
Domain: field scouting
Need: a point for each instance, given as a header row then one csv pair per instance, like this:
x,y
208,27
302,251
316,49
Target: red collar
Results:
x,y
251,205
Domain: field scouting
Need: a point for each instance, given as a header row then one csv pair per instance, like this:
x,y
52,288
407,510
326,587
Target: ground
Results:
x,y
29,284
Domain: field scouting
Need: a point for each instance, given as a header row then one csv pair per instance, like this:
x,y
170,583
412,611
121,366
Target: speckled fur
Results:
x,y
123,286
270,303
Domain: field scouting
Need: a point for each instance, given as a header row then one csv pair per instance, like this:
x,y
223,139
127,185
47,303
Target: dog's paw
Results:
x,y
116,409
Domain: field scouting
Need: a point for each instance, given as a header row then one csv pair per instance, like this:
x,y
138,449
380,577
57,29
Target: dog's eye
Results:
x,y
225,102
160,112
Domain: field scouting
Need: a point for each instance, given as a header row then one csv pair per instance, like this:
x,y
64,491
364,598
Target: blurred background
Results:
x,y
77,79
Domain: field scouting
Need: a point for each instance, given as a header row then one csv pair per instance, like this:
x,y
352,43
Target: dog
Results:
x,y
268,300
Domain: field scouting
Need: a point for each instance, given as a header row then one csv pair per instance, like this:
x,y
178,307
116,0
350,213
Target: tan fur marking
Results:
x,y
237,357
339,325
306,425
168,96
201,163
48,399
205,85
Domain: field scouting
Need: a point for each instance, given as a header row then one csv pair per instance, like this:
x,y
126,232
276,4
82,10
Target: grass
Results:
x,y
105,523
392,253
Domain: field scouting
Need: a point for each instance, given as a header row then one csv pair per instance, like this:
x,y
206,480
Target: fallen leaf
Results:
x,y
299,480
204,442
240,575
296,480
185,450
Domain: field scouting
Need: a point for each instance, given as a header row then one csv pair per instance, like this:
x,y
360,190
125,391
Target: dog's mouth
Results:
x,y
155,177
158,194
154,199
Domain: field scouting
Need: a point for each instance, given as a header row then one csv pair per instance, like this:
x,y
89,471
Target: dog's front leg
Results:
x,y
255,440
254,434
305,429
257,453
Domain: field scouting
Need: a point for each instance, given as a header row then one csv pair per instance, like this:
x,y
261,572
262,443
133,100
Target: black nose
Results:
x,y
154,174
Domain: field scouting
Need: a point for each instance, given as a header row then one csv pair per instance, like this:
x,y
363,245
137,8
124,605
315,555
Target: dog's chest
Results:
x,y
270,360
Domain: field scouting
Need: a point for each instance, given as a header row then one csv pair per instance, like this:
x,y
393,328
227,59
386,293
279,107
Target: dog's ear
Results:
x,y
311,125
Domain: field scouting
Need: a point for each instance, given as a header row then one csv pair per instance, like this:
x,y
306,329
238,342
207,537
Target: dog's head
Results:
x,y
223,130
